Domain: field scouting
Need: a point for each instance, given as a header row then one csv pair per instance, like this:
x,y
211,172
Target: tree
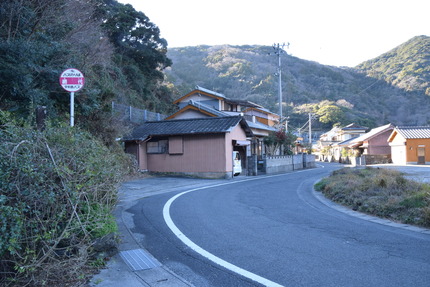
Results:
x,y
140,51
281,141
29,41
117,48
330,114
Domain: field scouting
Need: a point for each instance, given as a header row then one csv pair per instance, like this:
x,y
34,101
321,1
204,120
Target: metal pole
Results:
x,y
278,51
129,113
310,128
280,84
72,109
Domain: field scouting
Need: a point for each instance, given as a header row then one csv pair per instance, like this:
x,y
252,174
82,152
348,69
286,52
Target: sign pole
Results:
x,y
72,109
72,80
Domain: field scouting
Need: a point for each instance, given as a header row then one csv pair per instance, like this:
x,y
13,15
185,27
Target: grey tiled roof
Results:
x,y
211,125
209,92
258,125
243,103
410,132
207,108
345,142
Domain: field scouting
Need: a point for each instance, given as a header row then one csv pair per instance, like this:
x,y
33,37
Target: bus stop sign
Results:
x,y
72,80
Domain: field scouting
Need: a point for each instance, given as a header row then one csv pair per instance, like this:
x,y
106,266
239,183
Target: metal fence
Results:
x,y
134,115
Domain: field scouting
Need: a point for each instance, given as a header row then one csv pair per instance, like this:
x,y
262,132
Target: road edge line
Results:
x,y
178,233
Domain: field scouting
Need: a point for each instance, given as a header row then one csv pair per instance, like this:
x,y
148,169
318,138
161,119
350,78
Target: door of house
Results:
x,y
421,155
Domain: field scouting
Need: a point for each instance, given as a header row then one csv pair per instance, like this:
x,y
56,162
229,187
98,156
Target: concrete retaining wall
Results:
x,y
285,163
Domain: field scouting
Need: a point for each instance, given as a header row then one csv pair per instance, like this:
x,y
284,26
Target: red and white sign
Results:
x,y
72,80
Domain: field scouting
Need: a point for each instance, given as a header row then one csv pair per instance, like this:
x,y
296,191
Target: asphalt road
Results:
x,y
273,230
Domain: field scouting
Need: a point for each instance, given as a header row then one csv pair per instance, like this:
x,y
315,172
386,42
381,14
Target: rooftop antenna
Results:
x,y
278,50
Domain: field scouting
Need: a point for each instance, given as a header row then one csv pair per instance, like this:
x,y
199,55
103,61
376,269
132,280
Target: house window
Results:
x,y
160,146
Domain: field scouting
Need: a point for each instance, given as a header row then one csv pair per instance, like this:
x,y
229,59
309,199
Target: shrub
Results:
x,y
381,192
58,188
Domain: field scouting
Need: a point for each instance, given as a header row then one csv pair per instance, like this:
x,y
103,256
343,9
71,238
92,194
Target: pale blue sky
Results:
x,y
331,32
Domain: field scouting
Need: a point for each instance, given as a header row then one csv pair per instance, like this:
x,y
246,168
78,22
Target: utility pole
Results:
x,y
310,128
311,117
278,50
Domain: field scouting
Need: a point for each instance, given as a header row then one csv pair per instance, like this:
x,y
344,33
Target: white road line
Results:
x,y
181,236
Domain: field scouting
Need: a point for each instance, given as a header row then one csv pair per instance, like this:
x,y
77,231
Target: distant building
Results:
x,y
373,146
410,145
338,139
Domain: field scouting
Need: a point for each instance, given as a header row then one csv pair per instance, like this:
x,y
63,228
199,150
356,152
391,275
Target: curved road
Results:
x,y
273,231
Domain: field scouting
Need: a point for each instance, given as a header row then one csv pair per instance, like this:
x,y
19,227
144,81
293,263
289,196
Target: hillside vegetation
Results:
x,y
361,96
406,67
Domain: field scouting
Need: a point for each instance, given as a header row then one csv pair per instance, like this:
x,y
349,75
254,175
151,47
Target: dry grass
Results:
x,y
380,192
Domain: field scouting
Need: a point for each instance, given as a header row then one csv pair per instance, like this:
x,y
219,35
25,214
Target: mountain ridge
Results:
x,y
361,93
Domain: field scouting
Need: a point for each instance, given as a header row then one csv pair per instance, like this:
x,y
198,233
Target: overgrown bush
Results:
x,y
58,188
382,192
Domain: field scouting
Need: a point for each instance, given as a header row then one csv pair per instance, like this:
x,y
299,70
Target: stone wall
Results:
x,y
376,159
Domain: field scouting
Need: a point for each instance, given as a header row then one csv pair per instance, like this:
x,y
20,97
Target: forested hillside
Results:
x,y
406,67
336,95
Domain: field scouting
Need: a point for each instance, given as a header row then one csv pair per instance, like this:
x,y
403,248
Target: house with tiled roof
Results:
x,y
201,138
410,145
201,147
203,103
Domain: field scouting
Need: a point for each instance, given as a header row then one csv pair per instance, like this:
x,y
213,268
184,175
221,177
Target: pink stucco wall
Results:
x,y
142,157
192,154
236,134
201,154
379,144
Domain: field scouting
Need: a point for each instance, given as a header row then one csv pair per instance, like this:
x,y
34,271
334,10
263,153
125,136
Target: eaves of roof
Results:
x,y
200,90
